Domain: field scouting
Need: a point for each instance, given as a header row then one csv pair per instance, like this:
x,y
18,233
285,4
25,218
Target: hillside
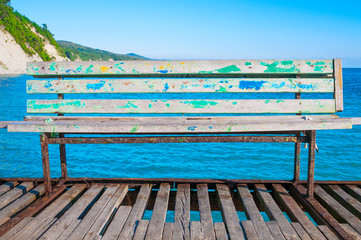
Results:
x,y
22,41
75,52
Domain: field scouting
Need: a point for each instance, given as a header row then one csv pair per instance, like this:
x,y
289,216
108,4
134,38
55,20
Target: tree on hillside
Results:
x,y
4,8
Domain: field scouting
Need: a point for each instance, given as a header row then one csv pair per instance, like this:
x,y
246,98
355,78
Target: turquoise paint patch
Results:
x,y
33,105
248,63
200,103
79,69
95,86
128,105
119,67
256,85
52,67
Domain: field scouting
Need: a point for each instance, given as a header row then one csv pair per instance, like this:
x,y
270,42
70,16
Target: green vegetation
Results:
x,y
31,37
75,51
20,27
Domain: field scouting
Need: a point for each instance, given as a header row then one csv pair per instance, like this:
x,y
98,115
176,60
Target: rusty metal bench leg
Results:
x,y
296,176
45,158
64,171
311,162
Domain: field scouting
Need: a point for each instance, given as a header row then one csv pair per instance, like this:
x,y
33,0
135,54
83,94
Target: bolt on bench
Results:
x,y
220,119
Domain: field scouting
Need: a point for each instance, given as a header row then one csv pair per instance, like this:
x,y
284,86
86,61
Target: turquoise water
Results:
x,y
339,156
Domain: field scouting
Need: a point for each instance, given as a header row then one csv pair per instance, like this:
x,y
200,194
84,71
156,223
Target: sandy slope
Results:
x,y
13,58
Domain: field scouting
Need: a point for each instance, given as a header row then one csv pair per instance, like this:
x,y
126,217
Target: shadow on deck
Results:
x,y
180,210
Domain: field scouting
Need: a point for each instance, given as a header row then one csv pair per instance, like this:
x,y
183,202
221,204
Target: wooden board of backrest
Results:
x,y
237,76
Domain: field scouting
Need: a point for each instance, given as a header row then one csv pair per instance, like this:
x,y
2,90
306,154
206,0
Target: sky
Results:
x,y
197,29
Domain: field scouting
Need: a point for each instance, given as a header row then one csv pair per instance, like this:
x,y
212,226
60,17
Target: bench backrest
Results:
x,y
213,76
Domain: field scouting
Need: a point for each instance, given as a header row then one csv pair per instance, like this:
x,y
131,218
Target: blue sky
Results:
x,y
207,29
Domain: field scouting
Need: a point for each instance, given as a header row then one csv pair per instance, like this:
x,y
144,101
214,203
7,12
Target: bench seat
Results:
x,y
178,125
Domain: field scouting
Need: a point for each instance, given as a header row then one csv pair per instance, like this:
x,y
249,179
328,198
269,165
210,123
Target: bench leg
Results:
x,y
296,175
45,158
311,162
64,171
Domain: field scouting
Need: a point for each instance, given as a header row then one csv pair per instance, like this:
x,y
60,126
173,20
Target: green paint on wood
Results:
x,y
229,69
248,64
275,68
221,89
134,129
89,69
287,62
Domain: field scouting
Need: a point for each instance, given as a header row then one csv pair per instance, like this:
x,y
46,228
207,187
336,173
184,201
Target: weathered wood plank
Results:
x,y
312,204
181,106
301,231
14,193
338,94
16,228
350,203
182,213
354,191
137,212
40,223
295,212
7,186
155,228
35,118
72,214
351,231
275,230
141,230
181,85
205,212
337,208
172,67
168,231
249,230
195,229
253,213
20,203
116,225
327,232
96,210
220,230
229,213
185,127
107,211
66,233
274,212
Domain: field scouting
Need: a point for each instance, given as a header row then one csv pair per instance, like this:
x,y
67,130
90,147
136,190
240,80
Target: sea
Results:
x,y
338,158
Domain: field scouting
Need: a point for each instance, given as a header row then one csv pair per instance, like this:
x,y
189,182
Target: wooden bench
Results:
x,y
233,110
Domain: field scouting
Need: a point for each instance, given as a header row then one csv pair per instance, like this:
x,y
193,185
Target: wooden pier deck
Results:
x,y
180,210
